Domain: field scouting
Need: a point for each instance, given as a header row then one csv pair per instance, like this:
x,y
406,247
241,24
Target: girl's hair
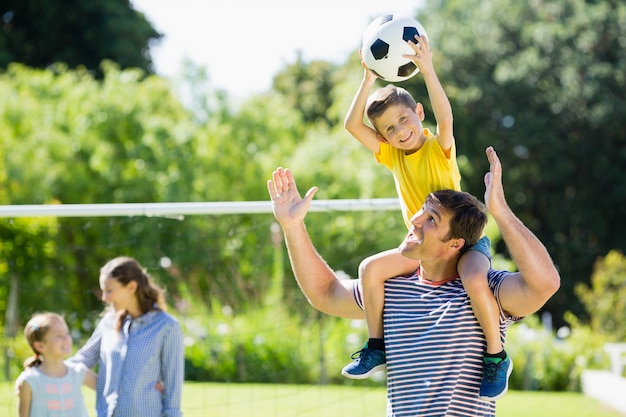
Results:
x,y
124,270
35,331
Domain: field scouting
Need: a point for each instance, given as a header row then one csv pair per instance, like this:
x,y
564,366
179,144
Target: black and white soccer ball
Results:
x,y
384,42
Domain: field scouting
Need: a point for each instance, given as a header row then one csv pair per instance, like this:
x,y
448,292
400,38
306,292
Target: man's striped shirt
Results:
x,y
434,347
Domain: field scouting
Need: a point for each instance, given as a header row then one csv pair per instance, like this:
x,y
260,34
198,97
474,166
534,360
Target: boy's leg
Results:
x,y
472,268
373,272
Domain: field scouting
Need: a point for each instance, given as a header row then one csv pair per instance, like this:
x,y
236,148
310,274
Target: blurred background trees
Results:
x,y
544,83
78,33
84,120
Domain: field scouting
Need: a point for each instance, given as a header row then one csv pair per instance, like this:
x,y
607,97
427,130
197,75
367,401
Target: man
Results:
x,y
434,342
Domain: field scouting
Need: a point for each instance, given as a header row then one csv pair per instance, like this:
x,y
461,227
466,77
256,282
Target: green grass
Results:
x,y
272,400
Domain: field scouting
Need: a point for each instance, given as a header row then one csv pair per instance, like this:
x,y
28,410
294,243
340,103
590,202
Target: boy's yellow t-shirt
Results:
x,y
420,173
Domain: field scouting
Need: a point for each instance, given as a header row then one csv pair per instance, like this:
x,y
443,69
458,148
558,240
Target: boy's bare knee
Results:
x,y
474,282
365,270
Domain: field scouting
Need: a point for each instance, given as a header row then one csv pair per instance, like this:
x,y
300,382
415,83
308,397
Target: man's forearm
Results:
x,y
312,273
316,279
528,253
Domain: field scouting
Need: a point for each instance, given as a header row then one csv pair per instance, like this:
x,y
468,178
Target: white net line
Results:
x,y
178,210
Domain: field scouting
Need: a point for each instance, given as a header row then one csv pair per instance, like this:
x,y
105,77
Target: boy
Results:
x,y
421,162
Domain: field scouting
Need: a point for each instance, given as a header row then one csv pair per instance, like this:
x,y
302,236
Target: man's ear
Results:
x,y
457,244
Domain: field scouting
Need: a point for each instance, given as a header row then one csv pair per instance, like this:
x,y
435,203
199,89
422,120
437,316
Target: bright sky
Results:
x,y
244,43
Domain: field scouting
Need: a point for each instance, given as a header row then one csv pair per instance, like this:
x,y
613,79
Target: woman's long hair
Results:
x,y
125,269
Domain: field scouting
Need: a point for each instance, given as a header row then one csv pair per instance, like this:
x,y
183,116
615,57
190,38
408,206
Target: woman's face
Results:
x,y
119,296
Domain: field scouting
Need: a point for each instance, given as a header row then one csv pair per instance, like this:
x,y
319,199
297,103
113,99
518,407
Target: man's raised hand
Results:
x,y
287,204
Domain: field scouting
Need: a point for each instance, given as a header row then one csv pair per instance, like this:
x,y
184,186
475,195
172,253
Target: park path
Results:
x,y
606,387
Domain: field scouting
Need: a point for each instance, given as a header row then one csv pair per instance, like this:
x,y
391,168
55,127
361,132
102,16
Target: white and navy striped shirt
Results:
x,y
434,347
148,350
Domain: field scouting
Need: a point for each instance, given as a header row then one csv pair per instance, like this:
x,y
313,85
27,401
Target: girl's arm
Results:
x,y
25,396
90,379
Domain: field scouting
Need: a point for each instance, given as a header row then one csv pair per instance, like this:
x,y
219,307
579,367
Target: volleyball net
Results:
x,y
229,282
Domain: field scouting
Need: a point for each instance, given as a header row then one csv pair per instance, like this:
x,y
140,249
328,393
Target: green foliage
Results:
x,y
545,362
268,345
543,82
68,138
307,87
78,33
605,300
26,244
128,139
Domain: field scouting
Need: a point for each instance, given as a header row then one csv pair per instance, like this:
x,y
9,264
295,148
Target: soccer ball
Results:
x,y
384,42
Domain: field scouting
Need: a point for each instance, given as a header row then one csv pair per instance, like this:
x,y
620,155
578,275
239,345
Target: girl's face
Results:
x,y
57,343
119,296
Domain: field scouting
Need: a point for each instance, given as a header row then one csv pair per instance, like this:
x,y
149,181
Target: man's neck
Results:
x,y
438,271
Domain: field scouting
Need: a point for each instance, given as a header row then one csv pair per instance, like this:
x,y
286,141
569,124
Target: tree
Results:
x,y
307,88
126,138
77,33
72,139
543,82
605,299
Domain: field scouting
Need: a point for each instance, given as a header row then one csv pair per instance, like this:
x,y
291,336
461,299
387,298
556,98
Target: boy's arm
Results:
x,y
354,122
438,98
528,290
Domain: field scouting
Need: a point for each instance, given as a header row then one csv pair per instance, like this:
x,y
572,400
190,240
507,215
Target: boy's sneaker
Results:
x,y
495,381
366,362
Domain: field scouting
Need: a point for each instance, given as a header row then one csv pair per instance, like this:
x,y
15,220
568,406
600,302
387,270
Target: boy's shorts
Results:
x,y
483,246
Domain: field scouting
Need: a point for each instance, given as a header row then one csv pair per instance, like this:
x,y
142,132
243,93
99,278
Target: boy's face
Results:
x,y
401,127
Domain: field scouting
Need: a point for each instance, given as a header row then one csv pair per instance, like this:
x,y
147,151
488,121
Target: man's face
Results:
x,y
428,236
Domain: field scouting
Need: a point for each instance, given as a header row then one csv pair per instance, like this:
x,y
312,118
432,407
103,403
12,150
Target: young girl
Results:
x,y
50,386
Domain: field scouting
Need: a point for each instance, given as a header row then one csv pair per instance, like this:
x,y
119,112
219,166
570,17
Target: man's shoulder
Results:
x,y
498,275
495,278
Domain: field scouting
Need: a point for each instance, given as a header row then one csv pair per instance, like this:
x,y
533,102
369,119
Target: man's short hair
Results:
x,y
385,97
468,216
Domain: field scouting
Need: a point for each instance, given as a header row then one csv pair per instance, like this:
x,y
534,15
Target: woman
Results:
x,y
137,345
